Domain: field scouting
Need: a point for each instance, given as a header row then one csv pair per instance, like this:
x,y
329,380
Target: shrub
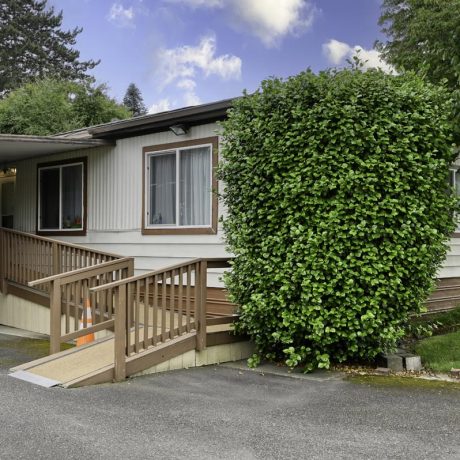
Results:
x,y
338,210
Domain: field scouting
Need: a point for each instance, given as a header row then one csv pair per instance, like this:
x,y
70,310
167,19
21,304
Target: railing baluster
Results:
x,y
155,309
180,300
146,312
163,308
187,301
129,316
171,305
137,307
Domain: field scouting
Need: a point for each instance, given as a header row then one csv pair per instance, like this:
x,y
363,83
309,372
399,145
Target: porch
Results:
x,y
143,320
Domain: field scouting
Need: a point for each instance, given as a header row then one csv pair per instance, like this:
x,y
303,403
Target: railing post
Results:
x,y
55,258
120,334
200,303
131,267
2,262
55,317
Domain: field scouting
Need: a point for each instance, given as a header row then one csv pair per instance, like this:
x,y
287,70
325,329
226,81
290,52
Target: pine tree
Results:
x,y
133,101
34,46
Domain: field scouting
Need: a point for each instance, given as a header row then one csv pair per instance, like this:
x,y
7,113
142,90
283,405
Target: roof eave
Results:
x,y
191,116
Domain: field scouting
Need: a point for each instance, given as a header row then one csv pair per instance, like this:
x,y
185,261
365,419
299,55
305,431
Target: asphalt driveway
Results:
x,y
225,413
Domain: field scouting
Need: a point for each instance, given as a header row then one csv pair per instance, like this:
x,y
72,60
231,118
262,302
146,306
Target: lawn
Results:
x,y
440,353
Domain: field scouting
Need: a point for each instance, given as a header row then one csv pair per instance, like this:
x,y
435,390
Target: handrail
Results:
x,y
61,242
26,258
158,271
65,271
79,271
70,295
216,262
158,306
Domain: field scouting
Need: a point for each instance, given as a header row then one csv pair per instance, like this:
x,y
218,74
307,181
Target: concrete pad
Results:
x,y
7,330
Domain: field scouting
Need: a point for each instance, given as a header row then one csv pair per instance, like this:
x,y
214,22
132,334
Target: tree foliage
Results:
x,y
34,46
424,36
133,101
338,210
51,106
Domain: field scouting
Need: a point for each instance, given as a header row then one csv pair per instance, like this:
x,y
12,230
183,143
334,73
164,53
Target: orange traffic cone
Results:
x,y
89,322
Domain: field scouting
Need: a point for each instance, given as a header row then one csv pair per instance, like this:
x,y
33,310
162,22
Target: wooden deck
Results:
x,y
154,317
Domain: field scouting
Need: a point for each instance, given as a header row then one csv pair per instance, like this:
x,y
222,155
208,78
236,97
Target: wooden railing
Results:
x,y
25,257
70,292
157,307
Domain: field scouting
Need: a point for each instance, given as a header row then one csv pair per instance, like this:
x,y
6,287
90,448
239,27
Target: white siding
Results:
x,y
115,206
115,203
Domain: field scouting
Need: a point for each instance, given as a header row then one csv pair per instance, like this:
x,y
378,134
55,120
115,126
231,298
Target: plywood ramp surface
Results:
x,y
75,365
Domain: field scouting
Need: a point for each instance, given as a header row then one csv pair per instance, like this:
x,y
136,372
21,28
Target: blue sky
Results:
x,y
186,52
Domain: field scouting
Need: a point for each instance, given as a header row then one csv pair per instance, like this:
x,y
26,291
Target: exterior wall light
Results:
x,y
179,129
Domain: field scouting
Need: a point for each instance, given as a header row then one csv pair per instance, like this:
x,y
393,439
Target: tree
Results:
x,y
423,36
34,46
133,101
337,210
51,106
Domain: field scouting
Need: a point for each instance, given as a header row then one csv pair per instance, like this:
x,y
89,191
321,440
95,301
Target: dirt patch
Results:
x,y
18,350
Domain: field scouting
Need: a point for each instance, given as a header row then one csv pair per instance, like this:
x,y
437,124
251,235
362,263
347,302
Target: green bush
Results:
x,y
338,210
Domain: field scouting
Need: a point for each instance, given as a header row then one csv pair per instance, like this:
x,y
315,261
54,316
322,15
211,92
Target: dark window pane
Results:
x,y
7,204
72,197
49,199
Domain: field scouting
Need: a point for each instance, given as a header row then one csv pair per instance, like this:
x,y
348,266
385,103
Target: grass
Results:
x,y
17,350
404,382
441,323
440,353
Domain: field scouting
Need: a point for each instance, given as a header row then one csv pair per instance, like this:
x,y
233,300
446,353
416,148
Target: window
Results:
x,y
7,202
179,187
61,198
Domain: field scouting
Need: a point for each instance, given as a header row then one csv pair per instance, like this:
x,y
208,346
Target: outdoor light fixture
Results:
x,y
179,129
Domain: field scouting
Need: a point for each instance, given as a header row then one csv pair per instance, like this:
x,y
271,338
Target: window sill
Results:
x,y
179,231
61,233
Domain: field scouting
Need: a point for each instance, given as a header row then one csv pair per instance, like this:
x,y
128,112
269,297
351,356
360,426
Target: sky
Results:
x,y
187,52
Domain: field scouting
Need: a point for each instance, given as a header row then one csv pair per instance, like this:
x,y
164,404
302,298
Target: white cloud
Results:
x,y
185,61
269,20
182,65
337,52
163,105
122,17
186,84
191,98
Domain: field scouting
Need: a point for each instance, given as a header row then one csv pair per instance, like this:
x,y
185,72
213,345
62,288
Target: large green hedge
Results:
x,y
339,211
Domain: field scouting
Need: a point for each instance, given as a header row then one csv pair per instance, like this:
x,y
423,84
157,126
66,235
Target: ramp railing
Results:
x,y
70,294
158,307
25,257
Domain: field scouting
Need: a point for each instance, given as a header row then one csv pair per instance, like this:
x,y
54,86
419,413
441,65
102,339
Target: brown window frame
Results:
x,y
70,161
212,229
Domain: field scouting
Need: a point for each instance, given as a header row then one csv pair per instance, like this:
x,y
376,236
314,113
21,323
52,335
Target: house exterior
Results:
x,y
143,187
142,191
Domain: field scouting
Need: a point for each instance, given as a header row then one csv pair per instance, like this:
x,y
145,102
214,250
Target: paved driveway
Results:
x,y
224,413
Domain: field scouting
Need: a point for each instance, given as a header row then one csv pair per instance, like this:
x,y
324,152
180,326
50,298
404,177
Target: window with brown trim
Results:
x,y
61,198
179,186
